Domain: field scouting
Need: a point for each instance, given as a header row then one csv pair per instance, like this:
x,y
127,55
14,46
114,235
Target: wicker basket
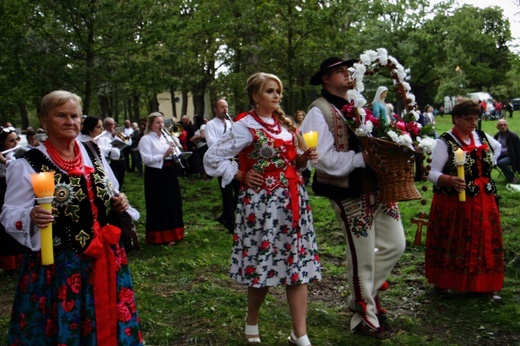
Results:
x,y
396,176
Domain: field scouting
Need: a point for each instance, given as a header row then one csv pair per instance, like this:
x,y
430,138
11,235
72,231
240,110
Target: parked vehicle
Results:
x,y
516,103
490,107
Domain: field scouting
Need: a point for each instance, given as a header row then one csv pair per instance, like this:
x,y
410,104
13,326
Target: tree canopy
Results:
x,y
118,55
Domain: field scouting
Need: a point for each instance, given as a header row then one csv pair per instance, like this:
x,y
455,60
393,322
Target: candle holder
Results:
x,y
43,186
311,140
460,159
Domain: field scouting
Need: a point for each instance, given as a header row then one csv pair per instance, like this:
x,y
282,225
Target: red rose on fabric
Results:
x,y
244,253
128,331
23,284
235,237
86,327
22,321
50,328
251,218
265,245
126,295
255,281
288,246
62,292
295,277
73,326
42,304
317,257
290,259
18,225
250,270
74,283
123,313
67,306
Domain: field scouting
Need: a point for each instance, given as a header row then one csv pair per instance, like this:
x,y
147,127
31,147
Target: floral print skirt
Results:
x,y
54,305
268,249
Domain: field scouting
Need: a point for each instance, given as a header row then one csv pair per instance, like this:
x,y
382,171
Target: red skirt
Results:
x,y
464,248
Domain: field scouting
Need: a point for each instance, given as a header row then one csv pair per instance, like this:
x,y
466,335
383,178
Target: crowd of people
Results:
x,y
263,166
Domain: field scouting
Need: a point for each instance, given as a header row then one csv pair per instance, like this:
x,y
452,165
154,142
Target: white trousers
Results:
x,y
375,242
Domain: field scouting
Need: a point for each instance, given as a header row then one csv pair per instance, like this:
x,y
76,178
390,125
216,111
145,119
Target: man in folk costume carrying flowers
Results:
x,y
373,230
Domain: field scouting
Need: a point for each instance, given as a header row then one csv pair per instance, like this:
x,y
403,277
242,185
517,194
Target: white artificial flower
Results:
x,y
369,126
382,55
365,59
426,144
400,73
352,94
406,140
411,97
393,136
406,86
393,60
415,115
372,54
360,132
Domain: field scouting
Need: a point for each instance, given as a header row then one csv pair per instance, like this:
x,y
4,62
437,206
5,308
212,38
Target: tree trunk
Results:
x,y
23,115
184,110
173,102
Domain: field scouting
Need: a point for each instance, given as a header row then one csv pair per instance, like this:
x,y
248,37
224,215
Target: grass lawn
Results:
x,y
185,297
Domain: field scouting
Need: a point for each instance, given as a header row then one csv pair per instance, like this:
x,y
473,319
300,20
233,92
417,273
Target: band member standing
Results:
x,y
214,130
164,222
118,165
341,174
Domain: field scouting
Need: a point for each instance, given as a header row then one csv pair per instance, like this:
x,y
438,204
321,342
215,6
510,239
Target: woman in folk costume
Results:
x,y
274,241
464,249
86,296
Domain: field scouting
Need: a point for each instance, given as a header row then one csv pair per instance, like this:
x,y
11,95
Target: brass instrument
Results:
x,y
176,130
122,136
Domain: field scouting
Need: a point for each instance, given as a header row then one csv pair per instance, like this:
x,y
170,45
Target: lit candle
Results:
x,y
311,138
460,158
43,186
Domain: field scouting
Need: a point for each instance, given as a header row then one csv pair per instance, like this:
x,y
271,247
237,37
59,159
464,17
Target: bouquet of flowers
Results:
x,y
398,141
405,131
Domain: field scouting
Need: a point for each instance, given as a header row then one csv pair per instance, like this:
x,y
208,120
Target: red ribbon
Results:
x,y
105,283
293,178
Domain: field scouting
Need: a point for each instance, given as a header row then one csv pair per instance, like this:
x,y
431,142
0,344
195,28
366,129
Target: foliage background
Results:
x,y
185,297
119,54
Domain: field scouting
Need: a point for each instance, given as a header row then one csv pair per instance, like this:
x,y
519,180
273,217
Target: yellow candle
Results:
x,y
43,186
460,155
46,239
460,174
311,138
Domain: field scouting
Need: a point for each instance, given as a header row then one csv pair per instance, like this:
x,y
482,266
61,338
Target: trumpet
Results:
x,y
176,130
123,137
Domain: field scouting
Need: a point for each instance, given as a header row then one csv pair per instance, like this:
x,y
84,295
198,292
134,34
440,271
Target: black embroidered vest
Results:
x,y
472,171
72,228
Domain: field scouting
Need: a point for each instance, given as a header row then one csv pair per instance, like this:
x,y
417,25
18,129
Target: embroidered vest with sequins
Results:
x,y
72,228
360,180
270,157
472,171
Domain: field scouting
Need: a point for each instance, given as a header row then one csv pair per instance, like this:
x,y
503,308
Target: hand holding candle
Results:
x,y
311,139
460,159
43,186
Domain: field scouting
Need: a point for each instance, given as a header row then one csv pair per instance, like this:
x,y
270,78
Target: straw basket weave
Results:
x,y
396,176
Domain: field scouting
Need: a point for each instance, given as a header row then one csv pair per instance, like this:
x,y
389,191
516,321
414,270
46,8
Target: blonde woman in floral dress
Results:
x,y
274,241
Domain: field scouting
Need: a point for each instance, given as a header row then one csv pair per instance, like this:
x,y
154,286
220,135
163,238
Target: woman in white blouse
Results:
x,y
164,223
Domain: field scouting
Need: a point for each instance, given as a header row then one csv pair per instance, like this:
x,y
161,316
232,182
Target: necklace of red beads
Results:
x,y
275,128
66,165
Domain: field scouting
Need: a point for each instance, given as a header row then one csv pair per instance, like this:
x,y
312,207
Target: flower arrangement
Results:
x,y
405,131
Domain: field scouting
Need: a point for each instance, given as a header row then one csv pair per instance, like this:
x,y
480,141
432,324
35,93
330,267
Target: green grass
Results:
x,y
185,297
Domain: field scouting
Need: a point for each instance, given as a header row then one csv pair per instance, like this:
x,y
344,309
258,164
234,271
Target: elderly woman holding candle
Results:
x,y
85,297
274,241
464,250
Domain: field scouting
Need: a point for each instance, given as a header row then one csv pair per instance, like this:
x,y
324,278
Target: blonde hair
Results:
x,y
58,98
150,120
255,85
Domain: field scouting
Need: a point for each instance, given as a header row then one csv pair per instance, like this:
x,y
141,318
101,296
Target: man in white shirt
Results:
x,y
214,130
128,131
373,230
117,164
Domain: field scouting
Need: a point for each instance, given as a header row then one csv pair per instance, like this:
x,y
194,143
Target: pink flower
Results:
x,y
74,283
126,295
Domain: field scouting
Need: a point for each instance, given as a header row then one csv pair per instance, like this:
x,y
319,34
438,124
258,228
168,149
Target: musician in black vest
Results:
x,y
373,230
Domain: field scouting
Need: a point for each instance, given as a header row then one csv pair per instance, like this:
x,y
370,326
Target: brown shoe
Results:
x,y
365,330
